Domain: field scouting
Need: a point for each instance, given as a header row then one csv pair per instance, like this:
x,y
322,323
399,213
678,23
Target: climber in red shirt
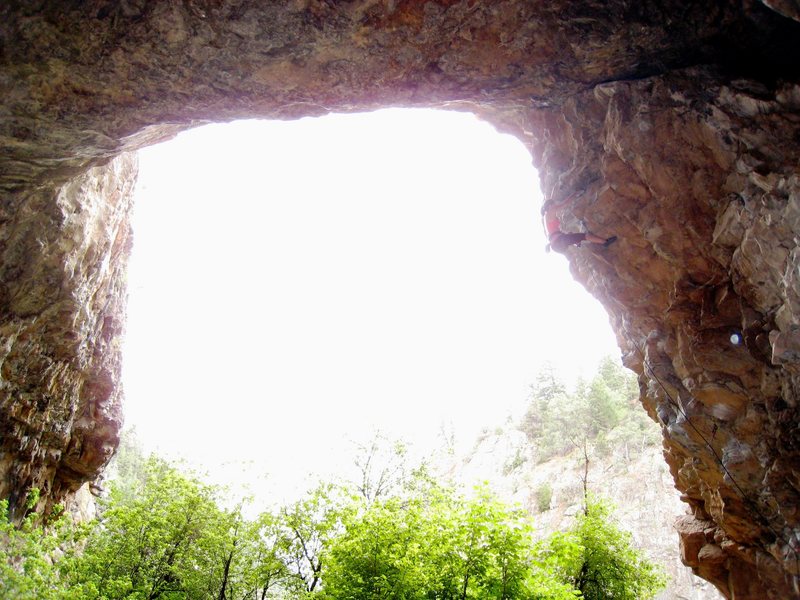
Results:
x,y
560,240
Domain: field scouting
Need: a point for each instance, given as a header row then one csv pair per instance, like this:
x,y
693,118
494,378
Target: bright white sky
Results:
x,y
298,285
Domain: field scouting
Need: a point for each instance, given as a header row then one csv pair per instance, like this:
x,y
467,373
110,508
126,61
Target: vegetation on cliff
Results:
x,y
599,415
163,533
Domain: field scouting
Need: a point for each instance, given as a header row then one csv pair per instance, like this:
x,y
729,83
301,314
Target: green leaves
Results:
x,y
602,413
599,559
379,553
34,557
310,525
162,534
153,543
435,545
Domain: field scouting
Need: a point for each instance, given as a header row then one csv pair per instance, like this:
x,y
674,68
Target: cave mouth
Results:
x,y
327,278
680,118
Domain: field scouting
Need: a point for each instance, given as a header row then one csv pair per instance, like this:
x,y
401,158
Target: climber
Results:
x,y
560,240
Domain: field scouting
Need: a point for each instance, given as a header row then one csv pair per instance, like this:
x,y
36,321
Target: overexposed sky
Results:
x,y
297,285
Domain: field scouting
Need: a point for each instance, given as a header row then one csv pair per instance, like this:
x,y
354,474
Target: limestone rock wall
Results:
x,y
677,120
62,297
705,198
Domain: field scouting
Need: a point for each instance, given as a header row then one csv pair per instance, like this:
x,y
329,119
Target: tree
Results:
x,y
435,544
508,542
33,554
423,542
546,396
259,571
224,548
381,466
165,540
311,524
544,496
600,560
128,467
599,416
380,553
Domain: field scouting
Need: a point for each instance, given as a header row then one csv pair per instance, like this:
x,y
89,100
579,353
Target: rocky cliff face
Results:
x,y
62,291
677,122
705,201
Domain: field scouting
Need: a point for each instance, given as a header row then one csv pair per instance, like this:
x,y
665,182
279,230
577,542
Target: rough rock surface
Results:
x,y
706,201
63,255
677,121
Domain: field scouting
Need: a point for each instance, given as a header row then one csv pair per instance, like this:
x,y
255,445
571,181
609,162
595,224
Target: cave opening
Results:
x,y
304,284
684,115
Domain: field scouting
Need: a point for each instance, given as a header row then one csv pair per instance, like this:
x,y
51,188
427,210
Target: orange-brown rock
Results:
x,y
677,122
705,201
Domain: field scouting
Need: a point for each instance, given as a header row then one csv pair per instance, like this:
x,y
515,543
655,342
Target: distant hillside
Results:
x,y
542,463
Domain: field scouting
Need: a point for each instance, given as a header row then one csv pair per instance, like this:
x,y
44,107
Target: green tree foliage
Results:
x,y
257,566
603,413
311,524
128,466
548,395
381,467
544,495
166,540
436,545
34,554
163,535
599,559
379,554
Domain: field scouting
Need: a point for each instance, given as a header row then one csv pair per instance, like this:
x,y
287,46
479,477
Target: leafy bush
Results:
x,y
544,494
35,555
